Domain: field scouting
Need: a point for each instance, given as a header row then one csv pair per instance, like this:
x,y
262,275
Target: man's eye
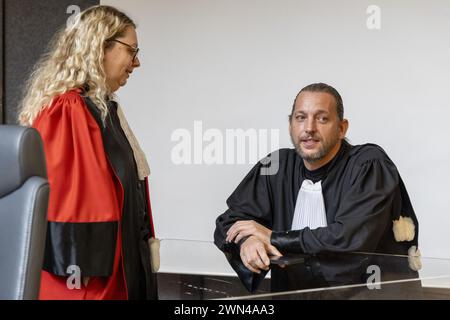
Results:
x,y
323,119
300,118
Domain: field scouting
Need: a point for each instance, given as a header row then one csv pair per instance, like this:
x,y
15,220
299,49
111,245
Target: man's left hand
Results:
x,y
245,228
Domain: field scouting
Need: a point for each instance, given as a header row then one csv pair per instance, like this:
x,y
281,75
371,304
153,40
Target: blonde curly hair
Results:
x,y
75,59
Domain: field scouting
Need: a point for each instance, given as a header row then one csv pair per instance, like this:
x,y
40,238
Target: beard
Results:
x,y
325,147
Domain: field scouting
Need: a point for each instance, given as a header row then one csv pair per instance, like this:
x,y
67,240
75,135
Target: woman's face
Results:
x,y
118,61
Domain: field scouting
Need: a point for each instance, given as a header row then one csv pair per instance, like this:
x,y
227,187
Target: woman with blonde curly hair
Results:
x,y
99,216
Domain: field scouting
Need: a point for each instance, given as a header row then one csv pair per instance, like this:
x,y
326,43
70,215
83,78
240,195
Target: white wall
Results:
x,y
239,64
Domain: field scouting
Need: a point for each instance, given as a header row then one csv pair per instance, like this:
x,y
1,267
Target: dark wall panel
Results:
x,y
28,27
1,64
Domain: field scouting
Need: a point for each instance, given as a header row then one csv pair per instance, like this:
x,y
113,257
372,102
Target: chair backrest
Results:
x,y
24,193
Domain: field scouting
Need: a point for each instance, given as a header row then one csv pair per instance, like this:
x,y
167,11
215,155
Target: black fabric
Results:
x,y
135,226
250,280
338,269
362,194
320,173
89,246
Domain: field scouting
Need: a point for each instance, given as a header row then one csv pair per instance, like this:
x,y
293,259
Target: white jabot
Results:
x,y
310,207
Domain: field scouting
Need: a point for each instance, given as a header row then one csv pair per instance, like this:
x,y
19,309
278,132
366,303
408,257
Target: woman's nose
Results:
x,y
136,62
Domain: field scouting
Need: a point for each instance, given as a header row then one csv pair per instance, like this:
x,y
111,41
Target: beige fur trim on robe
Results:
x,y
404,229
139,155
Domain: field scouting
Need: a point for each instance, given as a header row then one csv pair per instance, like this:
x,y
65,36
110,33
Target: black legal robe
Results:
x,y
136,229
363,193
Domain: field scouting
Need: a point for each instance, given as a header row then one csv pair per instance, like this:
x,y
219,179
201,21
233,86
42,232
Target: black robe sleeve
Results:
x,y
250,201
363,214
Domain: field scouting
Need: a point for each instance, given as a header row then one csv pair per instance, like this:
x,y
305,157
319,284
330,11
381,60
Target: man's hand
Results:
x,y
245,228
255,255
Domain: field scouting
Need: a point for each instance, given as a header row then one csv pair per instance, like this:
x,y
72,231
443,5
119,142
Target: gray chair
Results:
x,y
24,193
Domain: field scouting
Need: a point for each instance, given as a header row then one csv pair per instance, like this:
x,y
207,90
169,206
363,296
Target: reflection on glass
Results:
x,y
193,270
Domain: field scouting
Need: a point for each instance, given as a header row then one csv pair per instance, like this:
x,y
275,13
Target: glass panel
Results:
x,y
194,270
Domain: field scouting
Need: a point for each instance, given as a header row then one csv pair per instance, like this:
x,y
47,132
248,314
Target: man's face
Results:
x,y
315,128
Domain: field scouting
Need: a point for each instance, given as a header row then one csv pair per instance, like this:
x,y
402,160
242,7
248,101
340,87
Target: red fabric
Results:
x,y
83,188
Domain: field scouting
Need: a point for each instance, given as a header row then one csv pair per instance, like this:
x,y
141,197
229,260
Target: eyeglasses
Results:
x,y
135,50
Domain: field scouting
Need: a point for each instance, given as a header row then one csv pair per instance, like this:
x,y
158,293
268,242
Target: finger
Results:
x,y
245,260
249,229
232,232
243,257
242,234
239,225
254,270
235,229
259,264
232,227
256,261
241,231
238,238
263,257
273,251
247,256
248,265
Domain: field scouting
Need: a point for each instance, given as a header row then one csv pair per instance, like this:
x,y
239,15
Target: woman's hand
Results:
x,y
86,281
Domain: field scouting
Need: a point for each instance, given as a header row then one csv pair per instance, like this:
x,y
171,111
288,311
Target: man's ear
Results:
x,y
343,127
290,127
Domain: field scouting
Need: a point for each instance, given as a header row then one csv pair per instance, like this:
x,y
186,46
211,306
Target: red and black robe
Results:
x,y
99,215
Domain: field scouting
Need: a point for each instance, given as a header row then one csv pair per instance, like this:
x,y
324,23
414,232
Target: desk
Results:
x,y
197,270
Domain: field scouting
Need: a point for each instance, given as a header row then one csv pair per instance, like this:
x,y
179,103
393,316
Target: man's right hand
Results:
x,y
255,255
